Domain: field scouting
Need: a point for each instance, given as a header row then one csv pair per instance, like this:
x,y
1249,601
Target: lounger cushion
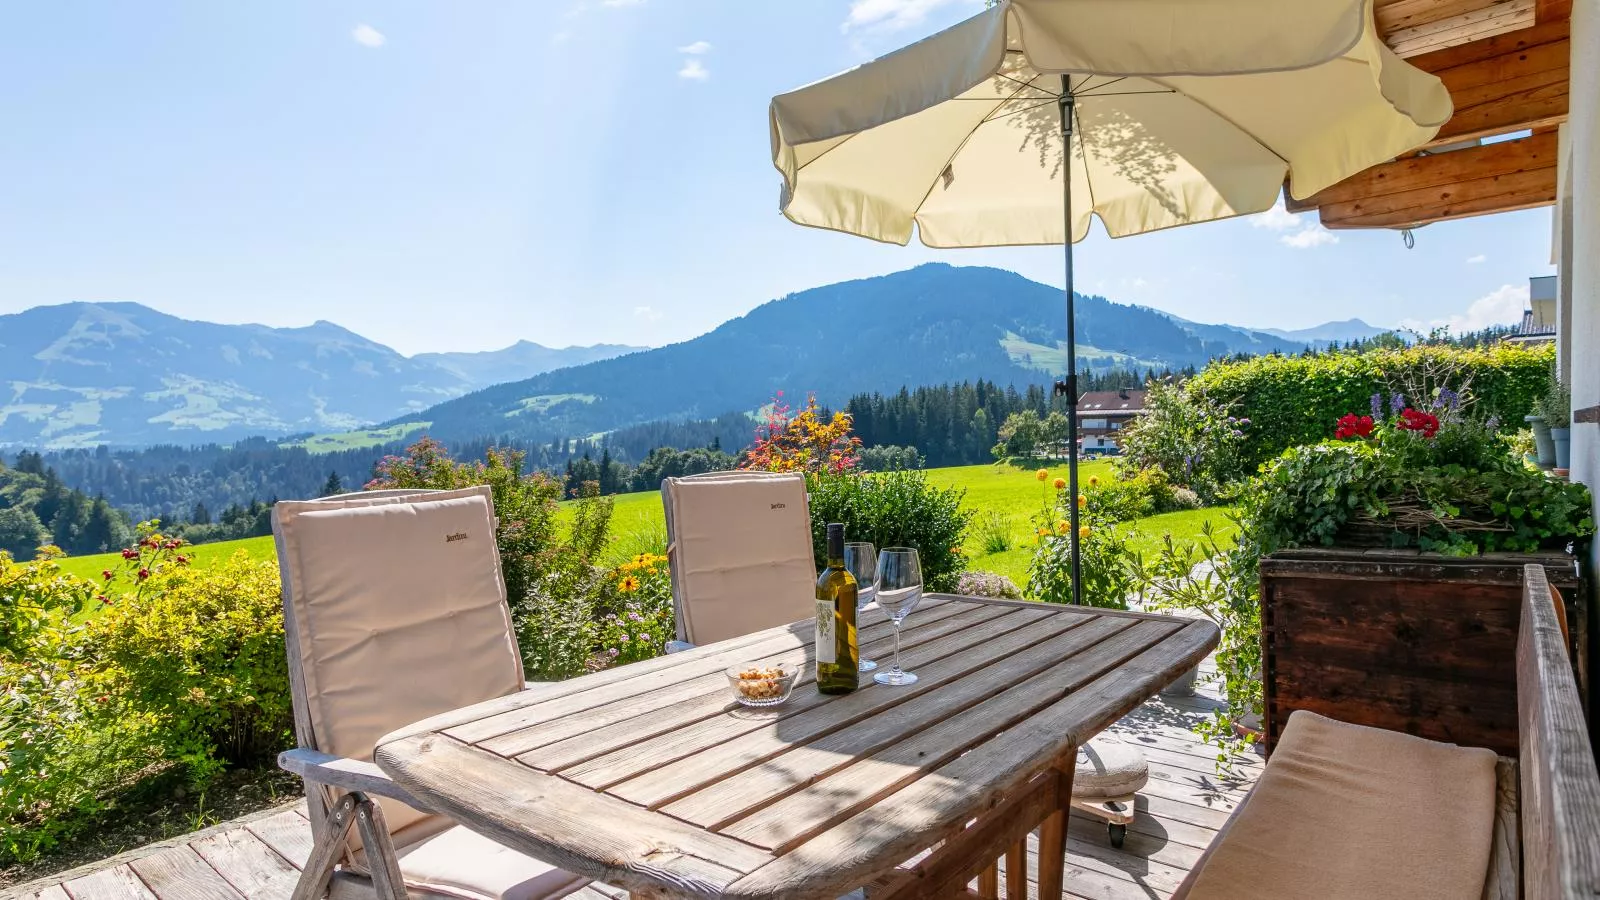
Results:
x,y
740,552
1345,811
463,864
1109,768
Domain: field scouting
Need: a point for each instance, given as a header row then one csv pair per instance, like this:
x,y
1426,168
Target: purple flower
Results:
x,y
635,617
1377,406
1238,434
1493,423
1232,420
1397,403
623,639
1244,421
612,652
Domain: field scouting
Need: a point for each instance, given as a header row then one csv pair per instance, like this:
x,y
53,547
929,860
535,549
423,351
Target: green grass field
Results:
x,y
358,440
638,524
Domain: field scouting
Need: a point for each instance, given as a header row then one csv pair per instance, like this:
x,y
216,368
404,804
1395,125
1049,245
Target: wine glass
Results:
x,y
861,559
899,587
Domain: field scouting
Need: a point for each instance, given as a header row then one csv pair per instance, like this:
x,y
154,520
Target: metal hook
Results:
x,y
1408,237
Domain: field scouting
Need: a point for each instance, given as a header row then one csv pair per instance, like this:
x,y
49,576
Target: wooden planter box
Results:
x,y
1403,640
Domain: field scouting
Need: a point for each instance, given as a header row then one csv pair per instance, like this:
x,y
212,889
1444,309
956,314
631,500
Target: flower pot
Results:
x,y
1543,445
1184,686
1562,439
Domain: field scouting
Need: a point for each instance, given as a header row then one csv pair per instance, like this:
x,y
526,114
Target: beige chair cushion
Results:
x,y
1108,767
1346,812
739,545
463,864
396,611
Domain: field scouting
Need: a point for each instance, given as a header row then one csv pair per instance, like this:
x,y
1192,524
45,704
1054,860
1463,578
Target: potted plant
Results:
x,y
1544,449
1395,551
1555,409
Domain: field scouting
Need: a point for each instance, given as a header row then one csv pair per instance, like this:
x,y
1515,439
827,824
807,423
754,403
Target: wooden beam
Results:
x,y
1498,177
1504,84
1412,27
1552,11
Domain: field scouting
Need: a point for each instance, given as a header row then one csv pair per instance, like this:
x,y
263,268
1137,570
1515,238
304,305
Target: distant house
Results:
x,y
1538,324
1102,414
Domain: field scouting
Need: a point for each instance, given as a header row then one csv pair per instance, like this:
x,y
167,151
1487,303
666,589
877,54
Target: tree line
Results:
x,y
38,508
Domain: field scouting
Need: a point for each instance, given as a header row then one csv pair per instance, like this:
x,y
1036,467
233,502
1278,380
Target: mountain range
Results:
x,y
81,374
929,325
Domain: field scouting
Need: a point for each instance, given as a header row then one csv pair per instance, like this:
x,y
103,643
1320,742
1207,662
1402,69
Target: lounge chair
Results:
x,y
739,547
394,611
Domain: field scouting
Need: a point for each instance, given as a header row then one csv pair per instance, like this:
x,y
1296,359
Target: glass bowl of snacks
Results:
x,y
762,684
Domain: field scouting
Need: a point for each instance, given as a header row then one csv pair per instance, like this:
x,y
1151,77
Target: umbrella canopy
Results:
x,y
1186,111
1019,124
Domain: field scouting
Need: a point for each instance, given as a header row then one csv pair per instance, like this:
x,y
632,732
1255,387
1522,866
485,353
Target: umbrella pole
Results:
x,y
1066,105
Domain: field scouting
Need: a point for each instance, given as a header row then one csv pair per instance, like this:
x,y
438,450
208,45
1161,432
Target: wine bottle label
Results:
x,y
827,643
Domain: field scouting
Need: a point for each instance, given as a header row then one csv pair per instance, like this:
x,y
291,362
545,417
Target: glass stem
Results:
x,y
897,647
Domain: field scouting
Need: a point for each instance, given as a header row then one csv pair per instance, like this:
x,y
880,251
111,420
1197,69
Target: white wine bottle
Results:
x,y
838,656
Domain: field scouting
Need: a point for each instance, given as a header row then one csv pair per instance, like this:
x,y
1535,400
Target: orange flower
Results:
x,y
1094,481
1083,532
1044,532
1060,484
1063,526
1042,474
1082,501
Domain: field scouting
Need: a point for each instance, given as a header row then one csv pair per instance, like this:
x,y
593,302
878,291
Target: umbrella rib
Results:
x,y
992,117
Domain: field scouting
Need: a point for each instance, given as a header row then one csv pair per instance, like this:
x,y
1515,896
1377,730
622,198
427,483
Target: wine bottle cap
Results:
x,y
836,540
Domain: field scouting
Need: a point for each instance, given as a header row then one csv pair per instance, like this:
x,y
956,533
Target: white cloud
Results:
x,y
1502,306
1475,259
693,70
1275,219
891,15
367,36
647,313
698,48
1308,237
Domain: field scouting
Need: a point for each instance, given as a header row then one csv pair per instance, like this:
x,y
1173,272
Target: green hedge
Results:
x,y
1295,400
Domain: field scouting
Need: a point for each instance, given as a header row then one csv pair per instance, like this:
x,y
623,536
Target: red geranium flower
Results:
x,y
1353,425
1416,420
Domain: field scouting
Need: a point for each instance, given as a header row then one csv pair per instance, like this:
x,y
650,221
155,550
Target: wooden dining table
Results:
x,y
652,778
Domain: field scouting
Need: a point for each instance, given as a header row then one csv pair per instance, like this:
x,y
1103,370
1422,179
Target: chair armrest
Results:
x,y
678,646
346,773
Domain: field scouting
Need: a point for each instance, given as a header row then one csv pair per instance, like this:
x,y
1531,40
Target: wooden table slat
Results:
x,y
660,703
945,735
976,781
657,784
521,808
621,683
602,772
790,758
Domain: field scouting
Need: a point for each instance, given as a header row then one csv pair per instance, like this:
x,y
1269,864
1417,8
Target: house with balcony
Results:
x,y
1102,415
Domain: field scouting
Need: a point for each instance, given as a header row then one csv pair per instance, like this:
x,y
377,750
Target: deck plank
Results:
x,y
254,869
115,883
288,834
181,874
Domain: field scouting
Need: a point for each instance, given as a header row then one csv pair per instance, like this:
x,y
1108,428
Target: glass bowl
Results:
x,y
762,684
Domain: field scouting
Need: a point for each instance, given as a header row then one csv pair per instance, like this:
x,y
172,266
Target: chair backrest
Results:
x,y
739,546
1560,785
394,610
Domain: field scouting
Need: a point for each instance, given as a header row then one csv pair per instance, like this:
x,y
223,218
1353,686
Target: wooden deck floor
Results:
x,y
258,858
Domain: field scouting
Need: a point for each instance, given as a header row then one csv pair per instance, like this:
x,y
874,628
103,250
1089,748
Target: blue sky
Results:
x,y
455,176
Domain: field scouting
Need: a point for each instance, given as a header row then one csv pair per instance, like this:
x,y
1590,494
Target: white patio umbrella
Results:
x,y
1032,116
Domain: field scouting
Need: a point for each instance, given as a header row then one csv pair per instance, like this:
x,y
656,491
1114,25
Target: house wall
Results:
x,y
1581,254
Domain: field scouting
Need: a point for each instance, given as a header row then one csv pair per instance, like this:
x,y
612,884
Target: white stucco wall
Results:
x,y
1580,266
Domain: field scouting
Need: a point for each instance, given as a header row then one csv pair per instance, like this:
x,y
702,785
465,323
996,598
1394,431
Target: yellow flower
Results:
x,y
1044,532
628,585
1094,481
1063,526
1082,501
1042,474
1060,483
1083,532
958,551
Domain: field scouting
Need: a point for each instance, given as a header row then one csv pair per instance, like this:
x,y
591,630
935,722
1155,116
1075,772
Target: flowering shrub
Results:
x,y
802,442
642,623
987,584
1352,426
1191,437
1107,581
894,509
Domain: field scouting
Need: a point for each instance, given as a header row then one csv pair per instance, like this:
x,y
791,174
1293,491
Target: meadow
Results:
x,y
1011,494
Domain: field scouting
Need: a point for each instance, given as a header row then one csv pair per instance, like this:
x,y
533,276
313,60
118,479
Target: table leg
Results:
x,y
1053,833
1017,871
989,883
